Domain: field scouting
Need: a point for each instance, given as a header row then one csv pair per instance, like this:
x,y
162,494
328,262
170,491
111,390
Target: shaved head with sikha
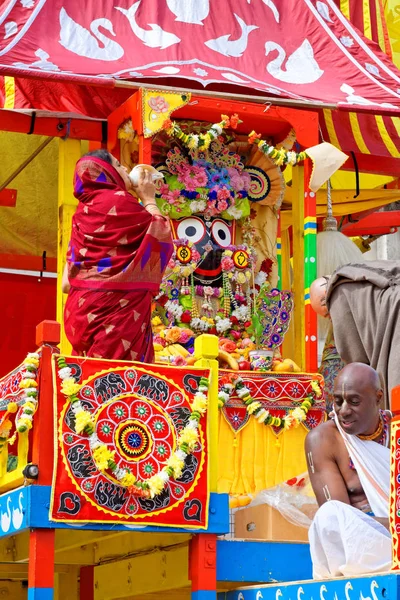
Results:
x,y
357,397
318,296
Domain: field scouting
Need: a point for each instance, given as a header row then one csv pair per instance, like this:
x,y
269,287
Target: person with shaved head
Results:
x,y
348,461
363,302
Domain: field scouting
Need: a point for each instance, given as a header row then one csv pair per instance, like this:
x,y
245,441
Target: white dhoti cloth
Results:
x,y
344,541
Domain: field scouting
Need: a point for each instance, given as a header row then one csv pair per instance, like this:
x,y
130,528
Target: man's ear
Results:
x,y
379,396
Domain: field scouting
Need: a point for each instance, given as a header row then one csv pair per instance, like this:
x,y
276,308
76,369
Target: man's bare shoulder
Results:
x,y
322,435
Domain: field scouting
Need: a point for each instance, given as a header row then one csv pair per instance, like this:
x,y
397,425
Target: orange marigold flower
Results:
x,y
235,121
230,378
253,136
167,124
225,121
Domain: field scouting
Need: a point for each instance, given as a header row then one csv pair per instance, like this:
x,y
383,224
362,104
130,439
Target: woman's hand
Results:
x,y
145,189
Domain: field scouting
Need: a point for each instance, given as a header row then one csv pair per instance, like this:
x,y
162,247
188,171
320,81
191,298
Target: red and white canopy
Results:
x,y
300,49
303,49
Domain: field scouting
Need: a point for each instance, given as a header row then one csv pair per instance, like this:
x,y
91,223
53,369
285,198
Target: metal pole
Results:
x,y
26,163
329,223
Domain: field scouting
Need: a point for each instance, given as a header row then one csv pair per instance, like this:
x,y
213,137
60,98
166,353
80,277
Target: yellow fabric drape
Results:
x,y
254,461
31,226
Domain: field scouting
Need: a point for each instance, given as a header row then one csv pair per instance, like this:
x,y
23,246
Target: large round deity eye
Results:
x,y
192,229
221,233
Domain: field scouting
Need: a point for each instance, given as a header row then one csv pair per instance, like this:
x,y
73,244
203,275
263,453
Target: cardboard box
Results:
x,y
266,523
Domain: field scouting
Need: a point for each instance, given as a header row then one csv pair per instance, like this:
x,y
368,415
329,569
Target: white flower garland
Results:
x,y
30,386
104,458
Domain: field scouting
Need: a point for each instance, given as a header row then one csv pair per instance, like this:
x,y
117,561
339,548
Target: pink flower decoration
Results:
x,y
202,179
223,194
195,255
192,176
164,189
227,263
159,340
239,181
172,197
179,361
246,180
158,104
222,205
184,338
212,209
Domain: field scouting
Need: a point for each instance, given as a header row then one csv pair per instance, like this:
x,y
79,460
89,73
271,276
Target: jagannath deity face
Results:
x,y
210,236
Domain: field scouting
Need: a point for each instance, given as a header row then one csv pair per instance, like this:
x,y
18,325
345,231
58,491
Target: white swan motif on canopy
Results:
x,y
79,40
301,66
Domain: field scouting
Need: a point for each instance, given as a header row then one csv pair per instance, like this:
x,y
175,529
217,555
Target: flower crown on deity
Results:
x,y
208,179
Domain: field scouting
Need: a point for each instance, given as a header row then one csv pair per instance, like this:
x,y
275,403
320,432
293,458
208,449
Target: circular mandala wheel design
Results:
x,y
260,184
133,440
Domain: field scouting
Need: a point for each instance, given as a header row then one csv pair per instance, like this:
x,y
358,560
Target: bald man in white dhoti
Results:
x,y
349,466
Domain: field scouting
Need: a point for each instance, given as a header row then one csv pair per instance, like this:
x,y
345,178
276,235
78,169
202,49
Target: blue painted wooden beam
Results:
x,y
38,504
380,587
263,561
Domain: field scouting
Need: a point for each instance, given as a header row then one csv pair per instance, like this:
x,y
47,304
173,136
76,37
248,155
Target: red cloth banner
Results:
x,y
138,411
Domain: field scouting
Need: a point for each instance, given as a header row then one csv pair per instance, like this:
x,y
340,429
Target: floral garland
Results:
x,y
201,141
211,180
104,458
237,265
280,156
231,383
29,384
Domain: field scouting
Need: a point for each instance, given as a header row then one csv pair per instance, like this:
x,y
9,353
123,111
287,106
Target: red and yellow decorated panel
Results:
x,y
120,468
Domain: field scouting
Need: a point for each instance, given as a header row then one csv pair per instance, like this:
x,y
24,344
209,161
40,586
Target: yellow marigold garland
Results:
x,y
104,458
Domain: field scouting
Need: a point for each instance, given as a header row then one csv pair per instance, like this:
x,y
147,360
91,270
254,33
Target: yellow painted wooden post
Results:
x,y
68,153
288,346
286,283
206,348
298,264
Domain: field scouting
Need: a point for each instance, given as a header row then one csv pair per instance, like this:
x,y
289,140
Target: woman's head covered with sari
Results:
x,y
114,240
97,171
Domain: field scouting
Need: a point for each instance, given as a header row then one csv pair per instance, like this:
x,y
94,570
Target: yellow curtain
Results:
x,y
31,226
255,459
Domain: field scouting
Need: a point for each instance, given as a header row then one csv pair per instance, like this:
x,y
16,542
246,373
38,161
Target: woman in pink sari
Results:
x,y
117,255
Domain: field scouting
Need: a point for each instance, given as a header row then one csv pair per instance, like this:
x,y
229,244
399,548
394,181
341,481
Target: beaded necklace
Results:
x,y
382,427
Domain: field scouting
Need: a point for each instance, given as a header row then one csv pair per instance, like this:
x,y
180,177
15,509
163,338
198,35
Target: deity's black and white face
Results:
x,y
202,231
